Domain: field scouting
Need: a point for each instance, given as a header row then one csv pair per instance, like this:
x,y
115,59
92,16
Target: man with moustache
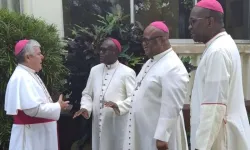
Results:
x,y
219,119
107,96
155,121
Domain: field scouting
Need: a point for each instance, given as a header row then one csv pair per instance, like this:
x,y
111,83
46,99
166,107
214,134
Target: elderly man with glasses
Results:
x,y
155,119
218,115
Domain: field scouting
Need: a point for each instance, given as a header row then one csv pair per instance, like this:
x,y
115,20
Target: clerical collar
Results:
x,y
27,68
159,56
215,37
112,65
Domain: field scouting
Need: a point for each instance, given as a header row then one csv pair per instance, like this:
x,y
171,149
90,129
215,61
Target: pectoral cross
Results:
x,y
102,102
138,85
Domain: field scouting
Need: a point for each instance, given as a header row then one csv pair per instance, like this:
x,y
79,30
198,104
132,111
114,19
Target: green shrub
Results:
x,y
14,27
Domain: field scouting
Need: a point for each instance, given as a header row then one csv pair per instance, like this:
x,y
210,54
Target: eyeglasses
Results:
x,y
192,21
147,40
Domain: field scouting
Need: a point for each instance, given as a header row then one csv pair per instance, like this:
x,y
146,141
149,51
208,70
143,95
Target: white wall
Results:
x,y
49,10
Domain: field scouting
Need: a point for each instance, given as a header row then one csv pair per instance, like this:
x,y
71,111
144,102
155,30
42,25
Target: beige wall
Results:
x,y
49,10
188,48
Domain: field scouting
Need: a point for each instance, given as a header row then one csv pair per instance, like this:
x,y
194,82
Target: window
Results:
x,y
82,12
175,13
236,18
13,5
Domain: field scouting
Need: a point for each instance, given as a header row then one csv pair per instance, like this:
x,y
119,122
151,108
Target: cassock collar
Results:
x,y
27,68
215,37
159,56
112,65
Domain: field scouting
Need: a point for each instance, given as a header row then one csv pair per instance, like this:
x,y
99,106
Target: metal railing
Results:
x,y
188,48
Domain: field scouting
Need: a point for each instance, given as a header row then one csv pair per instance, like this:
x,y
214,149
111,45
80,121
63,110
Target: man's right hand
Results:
x,y
82,112
64,104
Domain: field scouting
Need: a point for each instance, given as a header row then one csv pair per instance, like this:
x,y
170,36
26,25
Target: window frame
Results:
x,y
10,5
188,41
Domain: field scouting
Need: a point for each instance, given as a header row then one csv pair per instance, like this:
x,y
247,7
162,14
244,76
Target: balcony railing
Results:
x,y
189,48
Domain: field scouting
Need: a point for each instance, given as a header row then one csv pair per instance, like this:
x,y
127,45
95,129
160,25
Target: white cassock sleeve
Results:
x,y
45,110
28,99
87,95
213,108
174,92
129,83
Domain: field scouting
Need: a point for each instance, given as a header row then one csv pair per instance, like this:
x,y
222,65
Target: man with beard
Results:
x,y
218,115
107,97
155,121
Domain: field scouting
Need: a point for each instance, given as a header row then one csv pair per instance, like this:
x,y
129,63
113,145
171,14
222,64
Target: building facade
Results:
x,y
175,13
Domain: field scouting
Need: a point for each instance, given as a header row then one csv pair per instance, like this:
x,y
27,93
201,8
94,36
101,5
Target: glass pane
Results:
x,y
237,18
175,13
12,5
16,5
3,3
82,12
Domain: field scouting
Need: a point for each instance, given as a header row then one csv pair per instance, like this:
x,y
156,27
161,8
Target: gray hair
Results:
x,y
27,50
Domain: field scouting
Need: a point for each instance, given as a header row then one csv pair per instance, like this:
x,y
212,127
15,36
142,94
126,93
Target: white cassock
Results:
x,y
156,112
114,83
34,113
218,115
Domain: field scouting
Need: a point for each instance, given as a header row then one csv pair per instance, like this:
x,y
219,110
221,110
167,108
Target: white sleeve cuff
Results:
x,y
164,129
89,109
49,111
123,106
211,121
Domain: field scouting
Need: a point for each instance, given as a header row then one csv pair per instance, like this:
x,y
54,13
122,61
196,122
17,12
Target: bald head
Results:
x,y
153,32
110,43
155,40
204,12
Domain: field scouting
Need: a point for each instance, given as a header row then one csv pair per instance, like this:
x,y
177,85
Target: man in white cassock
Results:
x,y
155,121
219,119
28,101
107,96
